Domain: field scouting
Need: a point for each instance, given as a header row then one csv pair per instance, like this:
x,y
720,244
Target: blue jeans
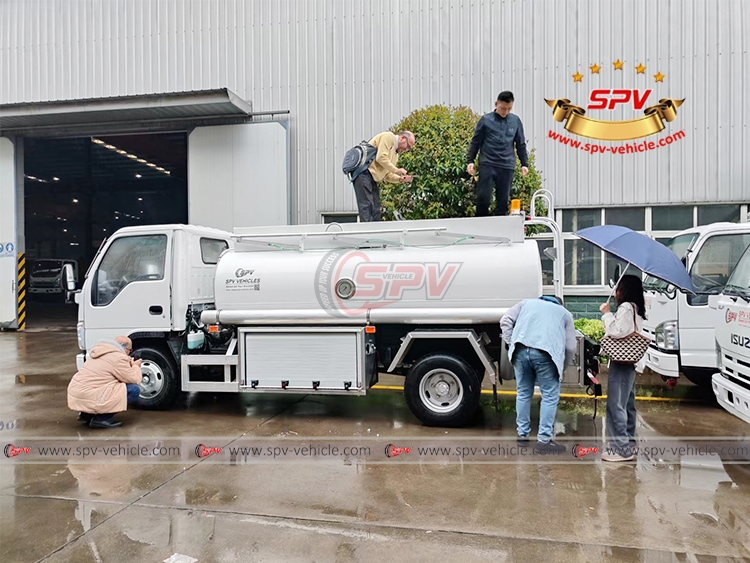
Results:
x,y
134,392
621,408
535,366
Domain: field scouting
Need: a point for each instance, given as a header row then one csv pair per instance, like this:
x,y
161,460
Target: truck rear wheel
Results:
x,y
160,386
443,390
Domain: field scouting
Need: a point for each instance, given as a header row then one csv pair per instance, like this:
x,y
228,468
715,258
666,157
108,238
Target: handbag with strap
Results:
x,y
627,349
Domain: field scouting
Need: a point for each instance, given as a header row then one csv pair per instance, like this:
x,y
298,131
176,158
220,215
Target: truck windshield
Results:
x,y
739,282
714,263
46,268
679,245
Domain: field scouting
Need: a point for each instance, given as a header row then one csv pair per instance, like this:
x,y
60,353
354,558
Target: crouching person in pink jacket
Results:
x,y
106,384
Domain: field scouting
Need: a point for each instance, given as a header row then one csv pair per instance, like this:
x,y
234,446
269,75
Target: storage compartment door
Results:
x,y
297,359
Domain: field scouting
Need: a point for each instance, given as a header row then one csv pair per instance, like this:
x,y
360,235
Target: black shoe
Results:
x,y
550,447
85,417
522,440
104,424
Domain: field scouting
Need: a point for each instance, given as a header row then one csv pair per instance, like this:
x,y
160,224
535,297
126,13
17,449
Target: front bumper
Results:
x,y
45,290
732,397
663,363
80,358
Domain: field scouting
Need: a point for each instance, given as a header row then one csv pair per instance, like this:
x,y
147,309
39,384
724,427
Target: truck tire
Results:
x,y
443,390
160,386
700,377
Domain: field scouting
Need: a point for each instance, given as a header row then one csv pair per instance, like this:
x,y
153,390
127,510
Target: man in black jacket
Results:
x,y
495,136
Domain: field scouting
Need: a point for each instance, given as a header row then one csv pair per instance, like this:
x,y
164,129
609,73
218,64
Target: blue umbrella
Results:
x,y
641,251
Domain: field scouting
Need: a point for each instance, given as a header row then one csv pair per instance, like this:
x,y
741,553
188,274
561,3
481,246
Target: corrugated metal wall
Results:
x,y
348,69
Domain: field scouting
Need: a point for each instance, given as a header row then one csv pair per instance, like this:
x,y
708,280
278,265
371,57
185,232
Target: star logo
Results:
x,y
659,77
618,64
595,68
641,69
577,77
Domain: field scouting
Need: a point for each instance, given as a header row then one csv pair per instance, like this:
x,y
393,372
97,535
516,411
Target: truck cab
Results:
x,y
681,326
147,283
731,384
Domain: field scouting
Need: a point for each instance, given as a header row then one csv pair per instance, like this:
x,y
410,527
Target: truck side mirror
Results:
x,y
69,277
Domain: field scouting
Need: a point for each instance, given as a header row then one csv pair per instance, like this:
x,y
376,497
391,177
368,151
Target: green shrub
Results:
x,y
444,188
593,328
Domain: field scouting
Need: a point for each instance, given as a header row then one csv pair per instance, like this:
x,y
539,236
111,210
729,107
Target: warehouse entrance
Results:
x,y
80,190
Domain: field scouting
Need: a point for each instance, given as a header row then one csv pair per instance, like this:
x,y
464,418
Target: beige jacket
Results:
x,y
99,387
384,166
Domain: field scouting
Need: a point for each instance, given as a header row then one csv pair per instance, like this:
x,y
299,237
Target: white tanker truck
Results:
x,y
319,309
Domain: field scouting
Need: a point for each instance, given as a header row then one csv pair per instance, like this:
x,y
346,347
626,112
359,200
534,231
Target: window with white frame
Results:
x,y
586,265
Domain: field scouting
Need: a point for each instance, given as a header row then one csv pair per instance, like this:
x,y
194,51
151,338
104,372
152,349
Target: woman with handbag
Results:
x,y
625,346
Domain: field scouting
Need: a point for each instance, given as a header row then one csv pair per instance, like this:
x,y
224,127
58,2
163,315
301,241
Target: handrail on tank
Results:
x,y
335,224
547,195
558,264
336,233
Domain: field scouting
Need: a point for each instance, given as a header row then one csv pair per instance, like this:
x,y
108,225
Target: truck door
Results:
x,y
130,288
710,269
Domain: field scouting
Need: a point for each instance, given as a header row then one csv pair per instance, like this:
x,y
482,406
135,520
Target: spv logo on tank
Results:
x,y
349,283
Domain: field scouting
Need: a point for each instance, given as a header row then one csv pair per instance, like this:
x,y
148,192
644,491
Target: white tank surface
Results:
x,y
463,282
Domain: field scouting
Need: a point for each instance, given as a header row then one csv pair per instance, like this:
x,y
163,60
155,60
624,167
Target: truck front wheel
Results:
x,y
443,390
159,386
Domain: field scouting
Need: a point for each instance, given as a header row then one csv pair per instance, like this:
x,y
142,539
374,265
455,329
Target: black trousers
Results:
x,y
502,178
368,197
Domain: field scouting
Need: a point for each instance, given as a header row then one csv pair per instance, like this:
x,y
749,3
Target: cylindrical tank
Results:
x,y
475,282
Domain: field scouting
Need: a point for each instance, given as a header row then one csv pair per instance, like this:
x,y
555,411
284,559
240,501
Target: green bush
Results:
x,y
593,328
444,188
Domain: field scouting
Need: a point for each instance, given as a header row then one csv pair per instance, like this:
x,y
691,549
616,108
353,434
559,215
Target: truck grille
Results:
x,y
44,284
737,370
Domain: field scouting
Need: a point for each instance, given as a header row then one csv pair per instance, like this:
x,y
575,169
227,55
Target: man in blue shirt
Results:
x,y
495,137
542,339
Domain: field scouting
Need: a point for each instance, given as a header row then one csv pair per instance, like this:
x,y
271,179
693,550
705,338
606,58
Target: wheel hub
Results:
x,y
441,391
153,379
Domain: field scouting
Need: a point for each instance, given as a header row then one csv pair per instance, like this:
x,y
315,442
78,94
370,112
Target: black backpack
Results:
x,y
357,159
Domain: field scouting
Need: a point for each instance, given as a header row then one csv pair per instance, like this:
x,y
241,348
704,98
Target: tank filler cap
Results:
x,y
345,288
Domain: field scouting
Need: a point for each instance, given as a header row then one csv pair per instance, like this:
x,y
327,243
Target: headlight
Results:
x,y
665,336
81,336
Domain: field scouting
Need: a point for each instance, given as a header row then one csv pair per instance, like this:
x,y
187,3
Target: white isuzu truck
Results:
x,y
731,384
319,309
681,326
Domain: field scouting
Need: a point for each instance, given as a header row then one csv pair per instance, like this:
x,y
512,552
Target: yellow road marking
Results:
x,y
562,395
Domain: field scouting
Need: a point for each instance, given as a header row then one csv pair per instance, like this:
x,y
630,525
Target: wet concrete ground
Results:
x,y
697,509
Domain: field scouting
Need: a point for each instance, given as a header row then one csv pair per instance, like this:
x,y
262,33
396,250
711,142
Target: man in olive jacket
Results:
x,y
383,168
495,137
106,384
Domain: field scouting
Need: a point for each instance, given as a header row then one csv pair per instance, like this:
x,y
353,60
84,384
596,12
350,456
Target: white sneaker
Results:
x,y
616,457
